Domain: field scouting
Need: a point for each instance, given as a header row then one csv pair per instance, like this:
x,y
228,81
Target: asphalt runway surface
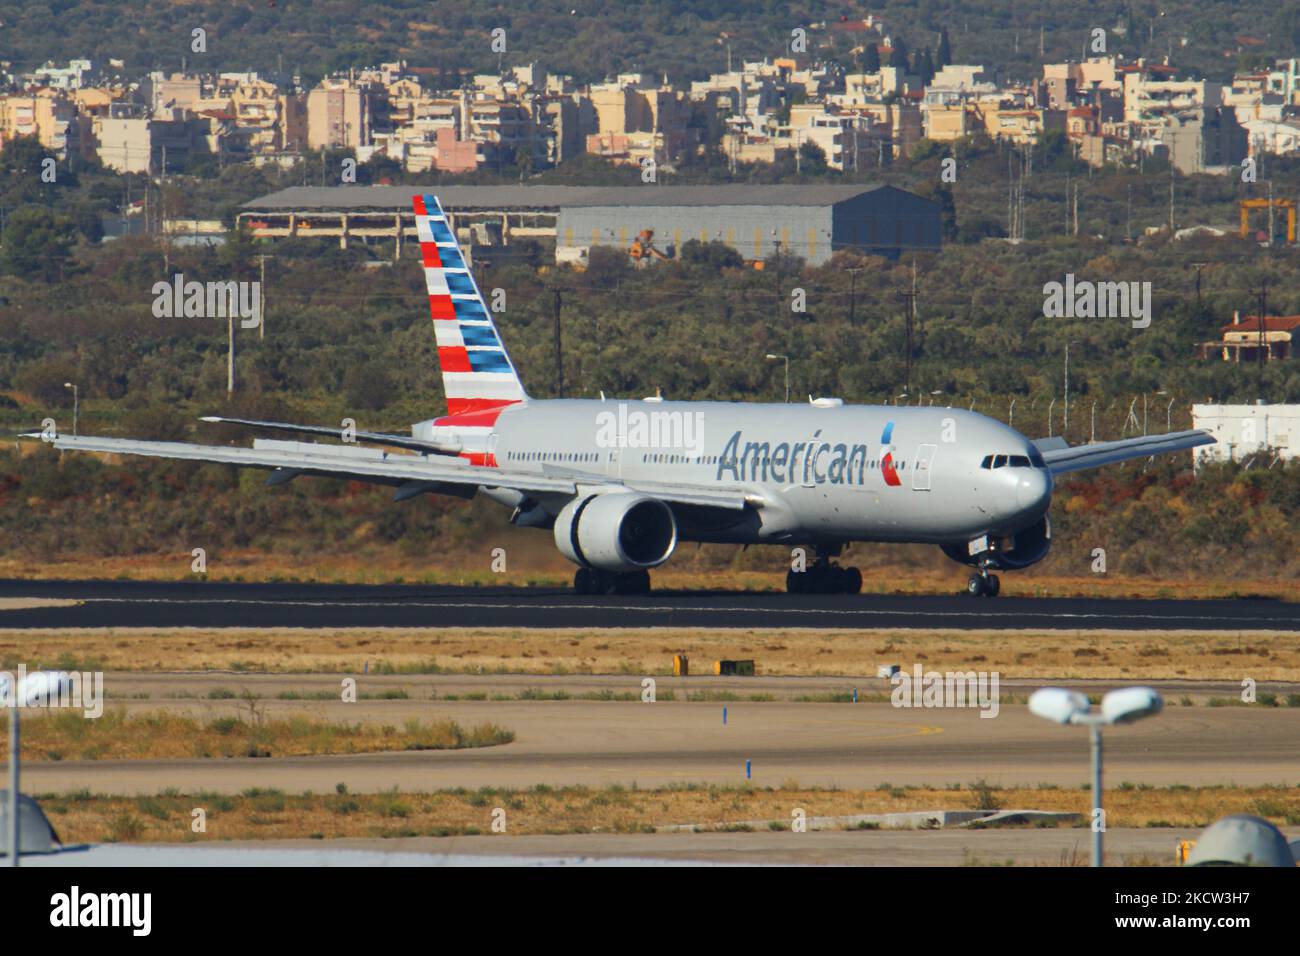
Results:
x,y
202,604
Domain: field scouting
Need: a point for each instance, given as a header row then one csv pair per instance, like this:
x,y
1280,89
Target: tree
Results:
x,y
898,55
37,243
925,67
712,255
23,156
812,159
945,50
368,387
869,62
942,194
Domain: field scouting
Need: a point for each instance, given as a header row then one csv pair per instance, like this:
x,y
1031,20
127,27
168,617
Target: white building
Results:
x,y
1245,431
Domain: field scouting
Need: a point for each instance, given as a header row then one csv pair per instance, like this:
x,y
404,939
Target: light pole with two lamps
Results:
x,y
1122,706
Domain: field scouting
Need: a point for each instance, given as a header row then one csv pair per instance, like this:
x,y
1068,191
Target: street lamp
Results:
x,y
75,406
786,359
1123,706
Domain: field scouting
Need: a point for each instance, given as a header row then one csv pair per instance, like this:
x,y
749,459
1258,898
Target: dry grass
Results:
x,y
59,735
538,565
269,814
1152,655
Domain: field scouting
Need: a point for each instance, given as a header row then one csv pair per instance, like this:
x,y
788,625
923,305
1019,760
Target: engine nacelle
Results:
x,y
1027,546
618,531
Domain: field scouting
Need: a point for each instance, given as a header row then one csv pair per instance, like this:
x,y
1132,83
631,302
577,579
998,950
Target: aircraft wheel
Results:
x,y
975,586
852,581
796,582
992,586
583,581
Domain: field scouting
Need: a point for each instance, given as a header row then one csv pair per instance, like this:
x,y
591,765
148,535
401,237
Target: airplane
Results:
x,y
621,483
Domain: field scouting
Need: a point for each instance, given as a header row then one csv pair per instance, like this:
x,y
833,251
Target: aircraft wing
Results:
x,y
1079,457
411,473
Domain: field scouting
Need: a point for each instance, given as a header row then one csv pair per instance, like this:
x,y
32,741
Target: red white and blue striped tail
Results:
x,y
477,374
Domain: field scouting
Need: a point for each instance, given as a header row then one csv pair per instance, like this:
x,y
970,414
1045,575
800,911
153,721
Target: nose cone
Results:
x,y
1034,491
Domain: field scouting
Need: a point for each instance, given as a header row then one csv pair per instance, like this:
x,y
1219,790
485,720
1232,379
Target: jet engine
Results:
x,y
618,531
1027,546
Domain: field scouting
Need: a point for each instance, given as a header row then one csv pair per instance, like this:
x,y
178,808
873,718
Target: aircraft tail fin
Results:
x,y
477,374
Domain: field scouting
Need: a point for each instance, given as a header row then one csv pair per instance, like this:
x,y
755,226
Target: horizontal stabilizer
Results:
x,y
377,438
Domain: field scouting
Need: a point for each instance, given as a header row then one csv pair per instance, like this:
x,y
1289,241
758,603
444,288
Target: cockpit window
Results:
x,y
1036,459
1013,461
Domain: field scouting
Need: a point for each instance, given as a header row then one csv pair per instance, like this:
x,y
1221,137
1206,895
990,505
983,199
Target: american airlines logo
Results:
x,y
1098,300
814,461
638,428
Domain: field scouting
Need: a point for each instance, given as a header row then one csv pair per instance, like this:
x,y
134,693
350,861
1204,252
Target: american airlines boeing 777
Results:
x,y
621,483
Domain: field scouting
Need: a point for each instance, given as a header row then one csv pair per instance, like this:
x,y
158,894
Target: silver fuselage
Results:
x,y
822,473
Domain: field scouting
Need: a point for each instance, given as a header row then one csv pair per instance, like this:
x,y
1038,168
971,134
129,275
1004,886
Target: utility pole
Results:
x,y
1067,202
1270,214
559,349
1128,216
1263,308
230,354
1198,266
261,286
853,288
910,297
1065,422
776,270
1171,195
1076,209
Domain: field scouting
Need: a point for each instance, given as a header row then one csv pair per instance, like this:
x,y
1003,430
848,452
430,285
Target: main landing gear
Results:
x,y
822,577
592,581
984,584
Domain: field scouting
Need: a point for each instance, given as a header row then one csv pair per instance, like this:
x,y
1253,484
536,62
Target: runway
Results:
x,y
201,604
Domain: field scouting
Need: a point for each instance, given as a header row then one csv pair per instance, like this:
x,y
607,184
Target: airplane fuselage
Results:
x,y
822,472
